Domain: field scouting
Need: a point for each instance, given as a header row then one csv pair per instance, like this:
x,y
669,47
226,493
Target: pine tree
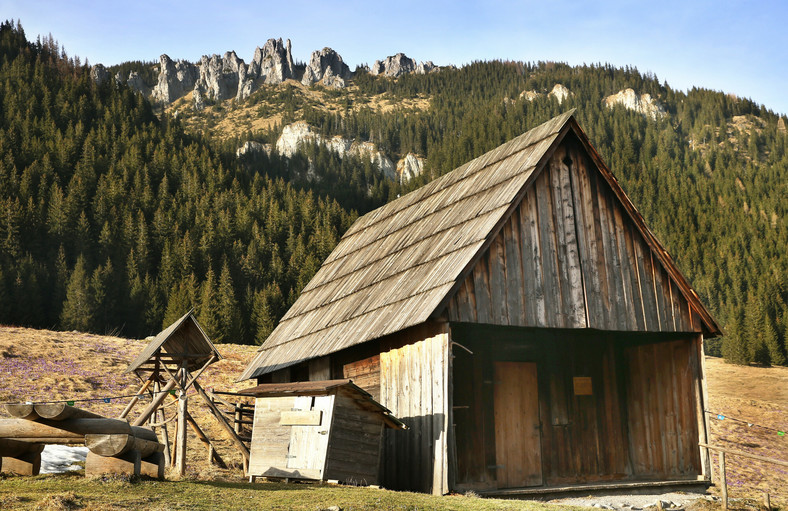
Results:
x,y
229,314
208,312
79,307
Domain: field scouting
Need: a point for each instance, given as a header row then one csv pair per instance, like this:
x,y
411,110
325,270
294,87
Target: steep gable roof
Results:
x,y
397,266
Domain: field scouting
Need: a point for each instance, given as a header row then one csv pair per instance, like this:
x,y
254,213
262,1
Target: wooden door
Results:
x,y
518,447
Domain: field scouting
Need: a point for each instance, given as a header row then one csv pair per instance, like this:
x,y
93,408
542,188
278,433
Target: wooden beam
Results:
x,y
134,400
180,438
223,422
22,411
61,411
743,454
154,405
213,455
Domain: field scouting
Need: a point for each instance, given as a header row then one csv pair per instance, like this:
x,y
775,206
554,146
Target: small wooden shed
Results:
x,y
323,431
523,321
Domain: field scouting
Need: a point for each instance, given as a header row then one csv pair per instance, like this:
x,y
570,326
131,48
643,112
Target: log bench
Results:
x,y
115,446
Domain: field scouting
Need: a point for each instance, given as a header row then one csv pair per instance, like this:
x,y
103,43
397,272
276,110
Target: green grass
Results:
x,y
73,491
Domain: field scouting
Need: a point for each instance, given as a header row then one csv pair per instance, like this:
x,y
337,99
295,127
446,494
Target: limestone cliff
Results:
x,y
643,104
327,68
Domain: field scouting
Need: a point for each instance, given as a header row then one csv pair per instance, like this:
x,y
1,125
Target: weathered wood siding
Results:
x,y
354,448
414,386
365,373
643,400
289,451
570,257
661,405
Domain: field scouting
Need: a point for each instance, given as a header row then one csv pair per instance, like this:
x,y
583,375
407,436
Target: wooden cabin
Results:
x,y
321,430
521,319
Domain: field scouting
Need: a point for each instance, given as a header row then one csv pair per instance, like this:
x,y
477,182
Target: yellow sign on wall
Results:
x,y
583,386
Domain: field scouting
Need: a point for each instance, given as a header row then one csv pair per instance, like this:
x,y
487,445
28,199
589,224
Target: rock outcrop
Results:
x,y
252,148
176,79
400,64
394,66
560,93
409,167
218,78
299,133
135,82
272,64
99,74
327,68
643,104
425,67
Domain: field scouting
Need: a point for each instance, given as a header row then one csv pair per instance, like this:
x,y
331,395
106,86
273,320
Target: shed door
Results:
x,y
518,450
309,440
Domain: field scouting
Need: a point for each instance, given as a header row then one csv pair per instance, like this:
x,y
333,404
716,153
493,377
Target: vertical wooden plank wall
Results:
x,y
571,257
414,386
662,409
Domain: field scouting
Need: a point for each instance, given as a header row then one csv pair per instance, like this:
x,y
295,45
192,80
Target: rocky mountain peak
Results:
x,y
176,78
326,67
394,66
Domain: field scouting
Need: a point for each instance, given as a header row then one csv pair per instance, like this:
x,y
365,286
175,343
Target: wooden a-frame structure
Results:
x,y
171,363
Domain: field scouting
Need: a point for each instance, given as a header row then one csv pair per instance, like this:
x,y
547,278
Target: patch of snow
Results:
x,y
62,458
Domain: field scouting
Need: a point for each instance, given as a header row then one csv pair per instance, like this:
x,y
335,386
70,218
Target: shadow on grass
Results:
x,y
264,485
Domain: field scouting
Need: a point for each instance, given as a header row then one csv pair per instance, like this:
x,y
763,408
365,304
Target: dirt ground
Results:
x,y
39,365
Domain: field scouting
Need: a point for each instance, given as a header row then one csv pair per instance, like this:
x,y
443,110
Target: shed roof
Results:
x,y
322,388
397,266
184,339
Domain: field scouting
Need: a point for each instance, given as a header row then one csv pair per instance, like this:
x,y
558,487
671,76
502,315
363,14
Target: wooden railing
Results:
x,y
723,477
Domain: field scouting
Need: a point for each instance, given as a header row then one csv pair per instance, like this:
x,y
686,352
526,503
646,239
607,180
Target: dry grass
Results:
x,y
760,396
228,119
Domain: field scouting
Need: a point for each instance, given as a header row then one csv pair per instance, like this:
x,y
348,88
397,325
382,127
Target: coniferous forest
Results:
x,y
114,217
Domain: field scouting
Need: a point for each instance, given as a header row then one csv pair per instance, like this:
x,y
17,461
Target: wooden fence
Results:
x,y
723,476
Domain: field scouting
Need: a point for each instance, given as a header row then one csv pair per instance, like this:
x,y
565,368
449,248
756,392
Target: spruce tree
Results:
x,y
79,307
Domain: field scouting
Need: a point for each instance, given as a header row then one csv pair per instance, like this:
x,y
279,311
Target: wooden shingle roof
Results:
x,y
183,338
398,265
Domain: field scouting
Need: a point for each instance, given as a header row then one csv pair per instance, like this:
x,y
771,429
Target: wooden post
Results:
x,y
180,444
723,481
767,502
165,434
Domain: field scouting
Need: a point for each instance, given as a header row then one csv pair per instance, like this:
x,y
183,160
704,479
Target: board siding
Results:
x,y
414,386
570,257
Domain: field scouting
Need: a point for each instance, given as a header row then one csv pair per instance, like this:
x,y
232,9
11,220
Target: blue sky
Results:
x,y
740,47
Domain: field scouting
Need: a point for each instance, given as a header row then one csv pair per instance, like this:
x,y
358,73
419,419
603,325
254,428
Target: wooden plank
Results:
x,y
300,418
498,277
481,288
536,314
645,273
565,311
592,202
635,280
548,253
439,405
576,295
618,317
514,272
